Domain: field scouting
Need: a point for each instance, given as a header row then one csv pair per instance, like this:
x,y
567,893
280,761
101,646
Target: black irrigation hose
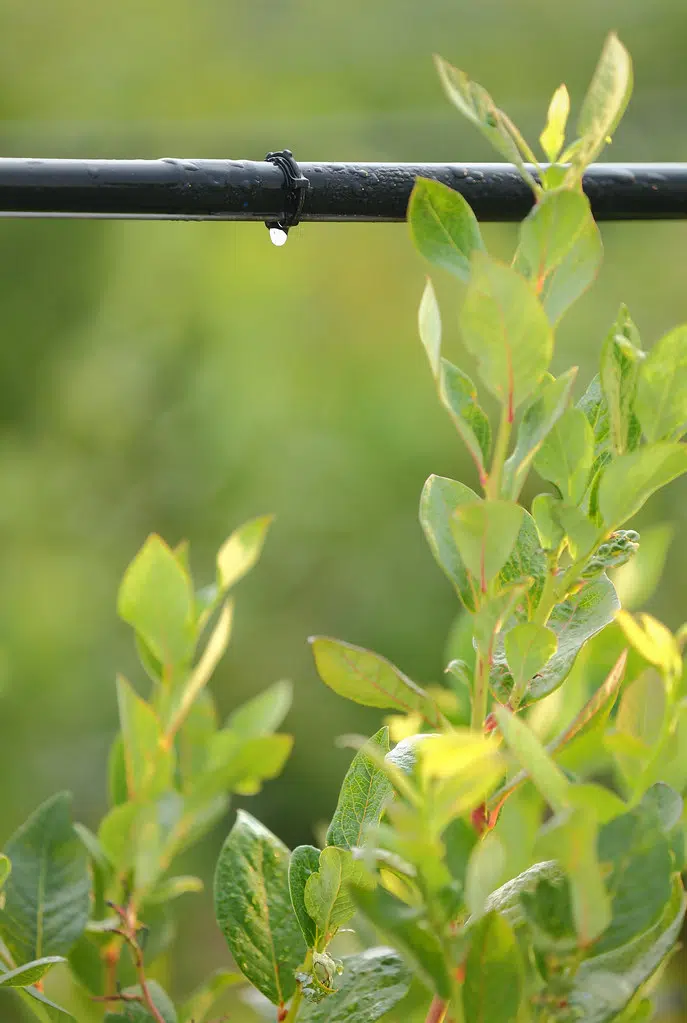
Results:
x,y
363,192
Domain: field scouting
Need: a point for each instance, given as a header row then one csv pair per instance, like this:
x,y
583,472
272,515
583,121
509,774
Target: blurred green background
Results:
x,y
184,377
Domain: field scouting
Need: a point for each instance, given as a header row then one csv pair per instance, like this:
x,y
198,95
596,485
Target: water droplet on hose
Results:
x,y
277,236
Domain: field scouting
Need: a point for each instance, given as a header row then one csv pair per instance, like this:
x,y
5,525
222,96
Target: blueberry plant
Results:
x,y
481,865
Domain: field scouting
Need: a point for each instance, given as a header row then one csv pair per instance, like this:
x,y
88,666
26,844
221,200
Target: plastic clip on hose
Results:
x,y
295,187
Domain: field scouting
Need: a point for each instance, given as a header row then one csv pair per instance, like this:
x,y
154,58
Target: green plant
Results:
x,y
510,884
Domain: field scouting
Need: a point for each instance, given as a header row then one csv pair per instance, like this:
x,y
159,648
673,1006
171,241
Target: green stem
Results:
x,y
493,486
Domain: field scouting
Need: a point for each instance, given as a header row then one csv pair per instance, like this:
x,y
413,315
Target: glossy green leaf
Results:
x,y
605,984
485,533
429,326
630,480
254,911
443,226
328,899
305,861
459,395
577,271
528,647
549,232
540,416
240,553
369,679
440,498
553,136
566,455
198,1007
605,102
505,327
47,895
636,853
484,874
494,973
156,598
372,983
574,621
264,713
409,933
621,358
148,757
137,1012
533,758
30,973
364,792
661,399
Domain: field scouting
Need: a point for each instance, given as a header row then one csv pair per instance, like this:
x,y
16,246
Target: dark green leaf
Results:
x,y
443,226
494,981
364,792
459,395
661,399
540,416
621,357
504,326
372,983
550,914
241,551
369,679
264,713
156,598
574,621
630,480
327,894
47,895
593,404
305,861
254,911
403,926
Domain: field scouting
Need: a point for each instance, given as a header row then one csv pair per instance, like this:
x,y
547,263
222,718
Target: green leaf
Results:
x,y
254,911
30,973
566,455
459,395
443,227
494,982
234,764
485,872
533,757
593,404
528,647
304,862
136,1012
549,232
47,895
202,672
364,792
405,928
264,713
148,757
369,679
5,868
636,853
116,772
485,533
327,892
582,535
550,914
605,984
43,1008
545,513
553,136
241,551
194,737
578,270
621,358
574,621
505,327
197,1007
429,326
540,416
372,983
661,399
605,101
631,479
440,498
156,599
172,887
